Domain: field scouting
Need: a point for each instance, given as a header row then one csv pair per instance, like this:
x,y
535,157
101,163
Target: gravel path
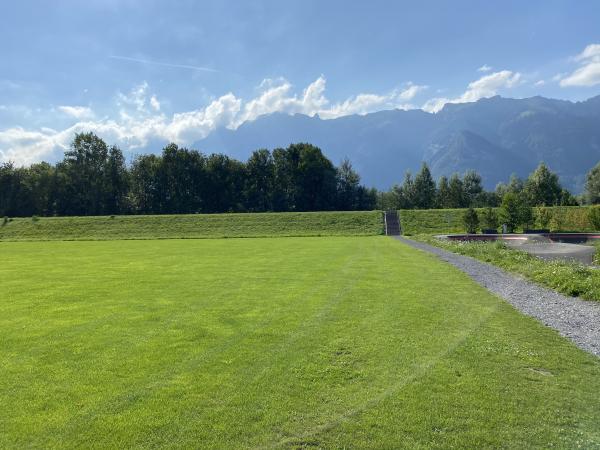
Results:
x,y
576,319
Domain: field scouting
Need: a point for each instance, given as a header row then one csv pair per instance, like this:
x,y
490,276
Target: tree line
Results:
x,y
94,179
541,188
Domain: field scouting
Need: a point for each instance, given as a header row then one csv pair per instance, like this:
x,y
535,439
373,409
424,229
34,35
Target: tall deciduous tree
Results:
x,y
316,179
82,176
260,180
145,189
116,183
472,187
348,187
542,188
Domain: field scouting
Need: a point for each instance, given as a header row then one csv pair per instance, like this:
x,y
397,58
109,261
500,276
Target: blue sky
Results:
x,y
143,71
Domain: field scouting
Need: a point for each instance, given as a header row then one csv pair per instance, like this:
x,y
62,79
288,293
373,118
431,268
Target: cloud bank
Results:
x,y
486,86
142,121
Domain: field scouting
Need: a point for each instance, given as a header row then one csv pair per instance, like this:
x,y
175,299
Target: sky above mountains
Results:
x,y
139,72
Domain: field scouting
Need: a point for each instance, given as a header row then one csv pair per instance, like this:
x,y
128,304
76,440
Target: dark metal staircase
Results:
x,y
392,223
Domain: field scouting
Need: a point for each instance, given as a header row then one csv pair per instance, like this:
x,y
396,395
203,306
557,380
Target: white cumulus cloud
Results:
x,y
484,68
486,86
366,103
588,74
78,112
154,103
140,119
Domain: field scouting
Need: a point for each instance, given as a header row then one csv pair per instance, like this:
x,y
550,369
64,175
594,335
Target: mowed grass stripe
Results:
x,y
357,342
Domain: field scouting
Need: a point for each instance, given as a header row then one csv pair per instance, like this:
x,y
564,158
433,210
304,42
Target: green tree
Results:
x,y
424,188
16,198
305,179
489,219
406,194
41,184
515,186
456,192
316,180
567,199
367,199
116,183
472,187
470,220
285,187
542,188
592,185
348,187
511,210
443,193
260,179
403,197
224,184
182,181
144,188
82,176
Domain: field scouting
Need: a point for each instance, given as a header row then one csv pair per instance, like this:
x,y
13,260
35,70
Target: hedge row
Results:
x,y
431,221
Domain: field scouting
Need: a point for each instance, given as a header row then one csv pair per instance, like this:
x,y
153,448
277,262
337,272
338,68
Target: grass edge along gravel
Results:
x,y
569,278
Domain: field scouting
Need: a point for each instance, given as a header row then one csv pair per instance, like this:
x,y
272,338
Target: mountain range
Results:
x,y
495,136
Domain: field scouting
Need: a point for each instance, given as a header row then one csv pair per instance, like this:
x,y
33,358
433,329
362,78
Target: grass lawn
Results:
x,y
275,343
324,223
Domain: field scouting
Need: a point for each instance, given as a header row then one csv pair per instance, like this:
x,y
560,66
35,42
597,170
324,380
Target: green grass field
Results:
x,y
275,343
360,223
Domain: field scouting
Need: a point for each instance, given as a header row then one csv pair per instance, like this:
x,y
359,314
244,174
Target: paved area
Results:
x,y
575,319
556,251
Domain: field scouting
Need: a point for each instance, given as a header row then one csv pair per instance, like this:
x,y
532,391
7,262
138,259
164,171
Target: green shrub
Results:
x,y
489,219
515,212
594,217
556,223
510,211
34,218
526,216
543,216
471,220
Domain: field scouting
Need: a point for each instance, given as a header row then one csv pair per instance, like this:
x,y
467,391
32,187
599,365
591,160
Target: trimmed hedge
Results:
x,y
434,221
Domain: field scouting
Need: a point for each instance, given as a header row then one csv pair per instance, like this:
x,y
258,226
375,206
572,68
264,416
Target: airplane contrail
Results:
x,y
158,63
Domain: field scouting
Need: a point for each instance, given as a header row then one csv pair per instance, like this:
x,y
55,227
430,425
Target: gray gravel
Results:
x,y
576,319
